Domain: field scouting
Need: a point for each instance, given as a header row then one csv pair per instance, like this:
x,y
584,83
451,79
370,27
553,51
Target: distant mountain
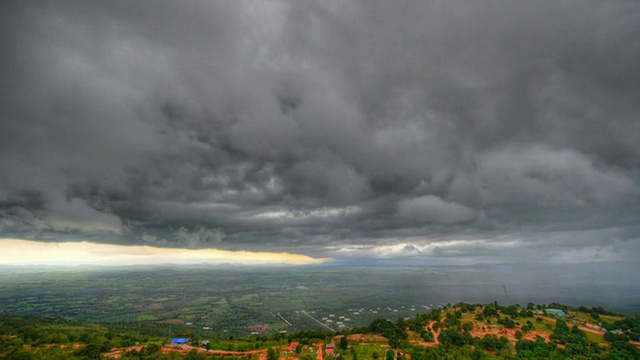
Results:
x,y
410,249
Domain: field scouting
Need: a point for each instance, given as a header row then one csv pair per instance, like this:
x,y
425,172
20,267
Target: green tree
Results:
x,y
492,343
453,337
509,324
194,355
151,349
467,326
91,351
427,335
390,355
343,343
20,354
379,325
560,332
272,354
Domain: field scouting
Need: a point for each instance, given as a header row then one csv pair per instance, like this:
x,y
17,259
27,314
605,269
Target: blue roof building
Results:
x,y
557,312
179,341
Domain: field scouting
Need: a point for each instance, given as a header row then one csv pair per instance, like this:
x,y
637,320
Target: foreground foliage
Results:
x,y
461,331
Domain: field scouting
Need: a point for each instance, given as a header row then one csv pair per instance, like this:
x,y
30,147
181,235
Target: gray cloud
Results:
x,y
200,237
431,208
307,125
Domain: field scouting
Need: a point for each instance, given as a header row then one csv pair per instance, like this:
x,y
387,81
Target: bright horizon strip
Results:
x,y
28,252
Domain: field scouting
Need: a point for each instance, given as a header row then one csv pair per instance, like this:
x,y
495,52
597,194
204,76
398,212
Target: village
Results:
x,y
511,326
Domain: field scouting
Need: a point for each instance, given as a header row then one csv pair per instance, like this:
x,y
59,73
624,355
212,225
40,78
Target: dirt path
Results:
x,y
320,356
116,353
366,338
589,330
436,334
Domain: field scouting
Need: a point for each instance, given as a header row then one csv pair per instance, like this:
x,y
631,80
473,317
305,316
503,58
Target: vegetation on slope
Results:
x,y
461,331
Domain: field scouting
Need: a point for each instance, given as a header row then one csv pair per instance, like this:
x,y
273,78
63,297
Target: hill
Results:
x,y
461,331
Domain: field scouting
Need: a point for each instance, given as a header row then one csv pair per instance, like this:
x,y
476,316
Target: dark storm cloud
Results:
x,y
313,125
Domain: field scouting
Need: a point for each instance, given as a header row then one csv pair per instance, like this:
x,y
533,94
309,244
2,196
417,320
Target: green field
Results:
x,y
224,300
461,331
229,300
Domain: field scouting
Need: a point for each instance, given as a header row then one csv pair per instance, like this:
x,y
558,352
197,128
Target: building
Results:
x,y
179,341
557,312
293,346
330,348
259,328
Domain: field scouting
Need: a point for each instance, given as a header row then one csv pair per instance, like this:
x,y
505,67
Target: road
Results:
x,y
318,321
285,321
320,356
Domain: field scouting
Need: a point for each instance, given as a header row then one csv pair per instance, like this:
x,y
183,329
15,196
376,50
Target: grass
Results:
x,y
365,350
591,337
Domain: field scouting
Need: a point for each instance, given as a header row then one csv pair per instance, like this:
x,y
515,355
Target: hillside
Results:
x,y
461,331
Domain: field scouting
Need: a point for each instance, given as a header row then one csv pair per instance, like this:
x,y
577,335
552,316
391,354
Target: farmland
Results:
x,y
229,301
461,331
223,300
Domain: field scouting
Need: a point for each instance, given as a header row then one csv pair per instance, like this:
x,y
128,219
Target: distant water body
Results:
x,y
614,286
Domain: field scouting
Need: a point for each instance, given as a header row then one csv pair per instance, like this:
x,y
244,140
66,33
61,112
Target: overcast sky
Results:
x,y
444,131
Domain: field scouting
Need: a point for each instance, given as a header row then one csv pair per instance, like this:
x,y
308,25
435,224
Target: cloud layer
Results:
x,y
310,126
30,253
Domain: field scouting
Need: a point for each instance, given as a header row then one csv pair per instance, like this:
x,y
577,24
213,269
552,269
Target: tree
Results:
x,y
509,324
491,343
151,349
379,325
452,337
560,332
193,355
519,334
91,351
427,335
467,326
272,354
20,354
390,355
490,310
343,343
